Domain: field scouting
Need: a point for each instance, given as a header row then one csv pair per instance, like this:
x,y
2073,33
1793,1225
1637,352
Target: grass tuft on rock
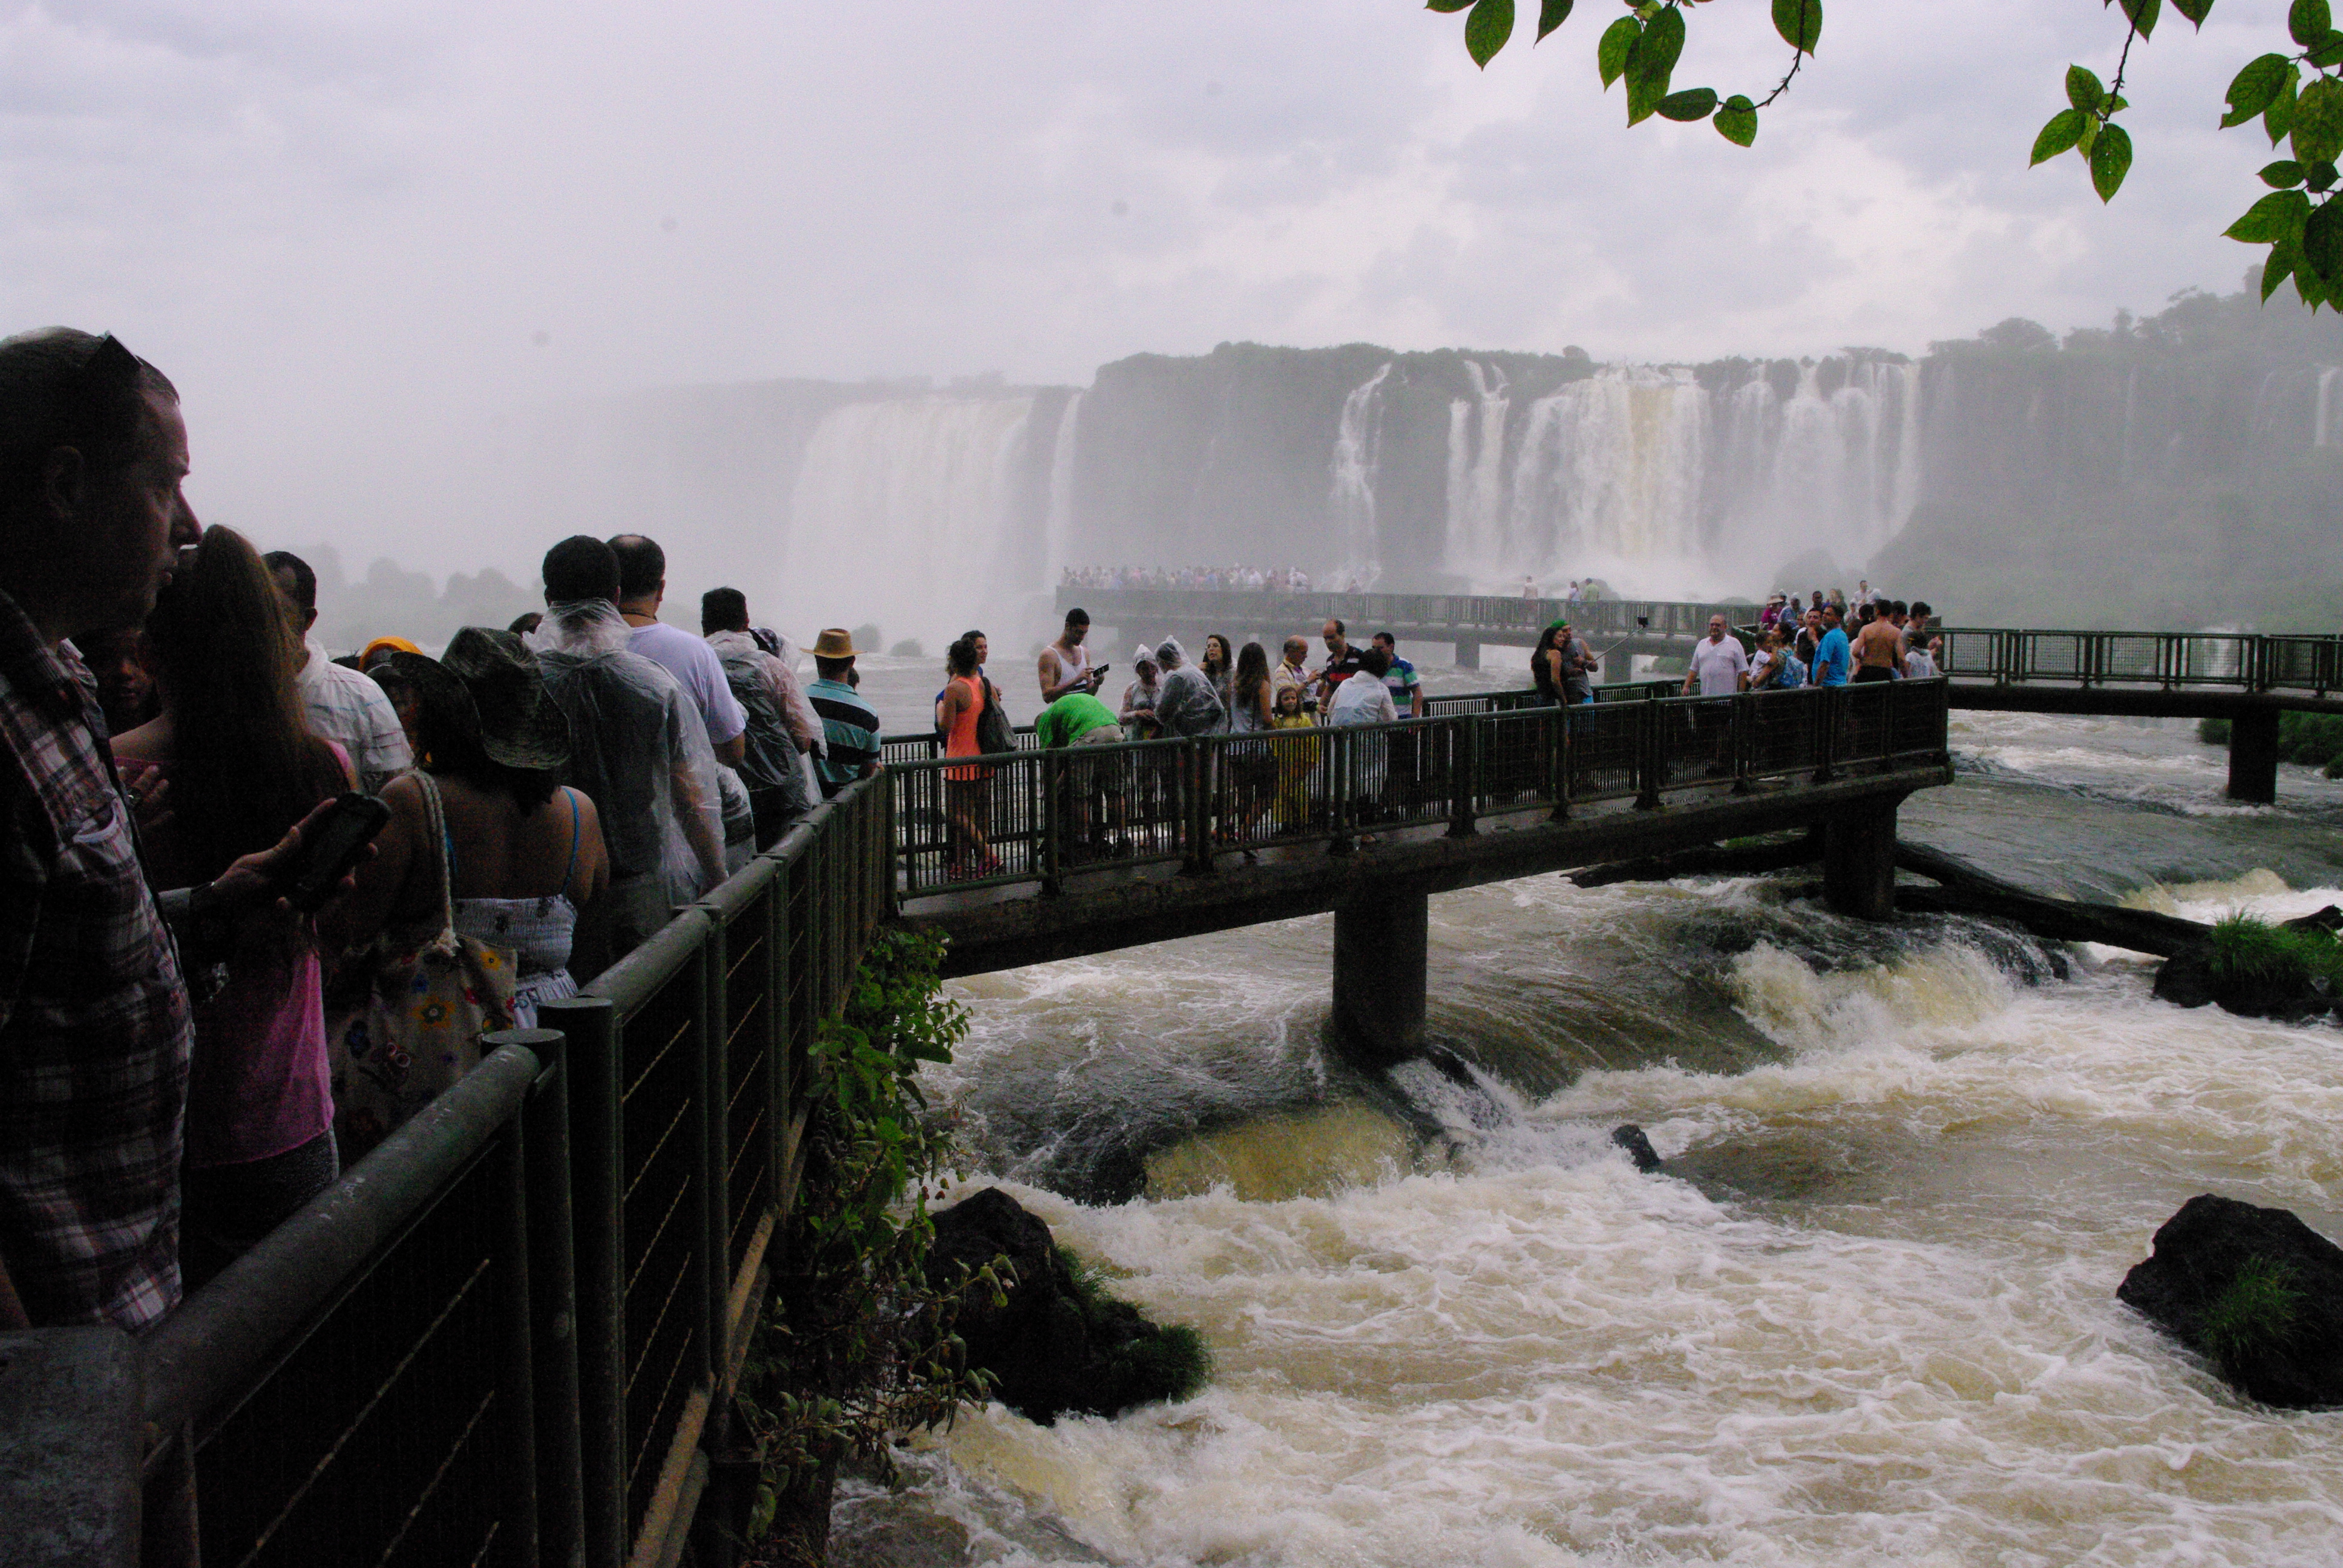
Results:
x,y
2254,1315
1146,1361
2248,952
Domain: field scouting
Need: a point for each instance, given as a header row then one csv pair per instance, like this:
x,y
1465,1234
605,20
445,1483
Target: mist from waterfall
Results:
x,y
905,513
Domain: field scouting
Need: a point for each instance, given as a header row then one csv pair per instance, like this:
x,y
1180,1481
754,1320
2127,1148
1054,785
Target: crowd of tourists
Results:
x,y
1277,579
258,904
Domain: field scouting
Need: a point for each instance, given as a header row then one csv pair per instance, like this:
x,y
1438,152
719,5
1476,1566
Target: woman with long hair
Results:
x,y
1219,672
234,745
967,786
1545,665
1252,769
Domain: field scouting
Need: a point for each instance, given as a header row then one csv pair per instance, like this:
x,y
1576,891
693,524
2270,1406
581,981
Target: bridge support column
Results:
x,y
1468,654
2253,754
1859,859
1381,944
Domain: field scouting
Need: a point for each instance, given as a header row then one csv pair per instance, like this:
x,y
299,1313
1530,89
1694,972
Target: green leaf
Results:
x,y
2254,89
2083,90
2322,242
2319,178
1737,121
2142,14
2309,21
1642,99
1655,53
2282,174
2279,118
2064,130
2275,270
2110,161
2277,216
1611,53
1800,23
2330,52
2317,128
2194,10
1444,5
1692,104
1552,14
1487,29
2090,135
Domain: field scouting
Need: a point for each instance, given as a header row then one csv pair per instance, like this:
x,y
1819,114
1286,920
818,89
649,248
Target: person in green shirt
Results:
x,y
1079,719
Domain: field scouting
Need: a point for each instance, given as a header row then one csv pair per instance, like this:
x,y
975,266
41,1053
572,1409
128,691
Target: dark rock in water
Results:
x,y
1639,1149
2185,979
2256,1291
2330,919
1060,1343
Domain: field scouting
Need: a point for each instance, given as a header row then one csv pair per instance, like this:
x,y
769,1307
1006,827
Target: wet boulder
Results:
x,y
2188,979
1631,1137
1060,1342
2256,1291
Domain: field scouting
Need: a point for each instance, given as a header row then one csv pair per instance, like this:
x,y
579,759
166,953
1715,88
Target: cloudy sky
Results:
x,y
337,223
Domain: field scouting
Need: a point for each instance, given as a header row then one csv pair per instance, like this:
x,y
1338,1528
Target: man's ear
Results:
x,y
64,476
309,619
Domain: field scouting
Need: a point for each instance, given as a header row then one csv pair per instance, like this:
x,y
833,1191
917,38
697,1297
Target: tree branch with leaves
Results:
x,y
2297,95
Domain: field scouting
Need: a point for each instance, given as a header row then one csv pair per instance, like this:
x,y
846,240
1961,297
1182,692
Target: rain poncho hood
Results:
x,y
1189,705
639,749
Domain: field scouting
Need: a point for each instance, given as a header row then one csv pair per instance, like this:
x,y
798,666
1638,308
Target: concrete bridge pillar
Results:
x,y
1381,944
1468,654
2253,754
1859,859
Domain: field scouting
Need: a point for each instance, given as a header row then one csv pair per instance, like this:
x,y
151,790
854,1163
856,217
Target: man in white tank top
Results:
x,y
1065,664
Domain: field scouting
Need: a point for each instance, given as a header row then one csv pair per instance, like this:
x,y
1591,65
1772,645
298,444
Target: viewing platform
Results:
x,y
2246,677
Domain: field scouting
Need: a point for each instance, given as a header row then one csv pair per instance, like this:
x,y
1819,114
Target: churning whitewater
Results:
x,y
1866,1314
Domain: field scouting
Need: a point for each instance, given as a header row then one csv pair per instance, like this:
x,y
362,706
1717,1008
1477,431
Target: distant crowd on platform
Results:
x,y
1277,579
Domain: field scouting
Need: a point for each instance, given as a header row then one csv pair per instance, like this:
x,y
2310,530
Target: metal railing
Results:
x,y
508,1334
1037,816
1426,615
2245,660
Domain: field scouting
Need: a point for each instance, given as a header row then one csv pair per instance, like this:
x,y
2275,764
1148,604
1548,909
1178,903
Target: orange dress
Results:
x,y
961,742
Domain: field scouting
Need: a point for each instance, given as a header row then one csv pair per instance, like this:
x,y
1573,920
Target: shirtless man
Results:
x,y
1878,650
1065,664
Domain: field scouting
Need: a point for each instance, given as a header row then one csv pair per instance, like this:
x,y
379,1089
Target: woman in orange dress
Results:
x,y
968,787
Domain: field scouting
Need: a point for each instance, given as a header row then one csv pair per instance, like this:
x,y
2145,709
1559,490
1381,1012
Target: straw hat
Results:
x,y
835,642
487,686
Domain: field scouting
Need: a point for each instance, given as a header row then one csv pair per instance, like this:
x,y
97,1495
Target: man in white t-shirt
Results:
x,y
1720,666
341,705
700,670
1719,663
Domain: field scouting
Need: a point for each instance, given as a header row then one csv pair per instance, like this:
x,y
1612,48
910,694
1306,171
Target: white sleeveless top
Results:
x,y
1072,669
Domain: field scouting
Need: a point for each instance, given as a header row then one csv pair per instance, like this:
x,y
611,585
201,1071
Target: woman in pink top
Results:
x,y
242,768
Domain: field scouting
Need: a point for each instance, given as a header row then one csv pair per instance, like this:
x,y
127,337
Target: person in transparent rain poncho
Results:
x,y
638,751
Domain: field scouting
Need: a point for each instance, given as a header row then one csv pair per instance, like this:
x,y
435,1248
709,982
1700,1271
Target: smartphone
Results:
x,y
332,848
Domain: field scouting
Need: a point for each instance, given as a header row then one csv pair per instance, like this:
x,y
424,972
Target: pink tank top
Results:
x,y
260,1083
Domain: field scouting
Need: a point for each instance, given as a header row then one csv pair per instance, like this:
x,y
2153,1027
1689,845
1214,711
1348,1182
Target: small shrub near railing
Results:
x,y
858,1350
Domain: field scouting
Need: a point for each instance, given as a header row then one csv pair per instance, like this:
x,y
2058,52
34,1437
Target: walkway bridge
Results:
x,y
1117,846
2246,677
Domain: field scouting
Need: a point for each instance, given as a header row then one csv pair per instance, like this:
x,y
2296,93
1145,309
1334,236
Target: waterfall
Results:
x,y
1351,492
1477,542
905,513
2327,432
1643,478
1059,531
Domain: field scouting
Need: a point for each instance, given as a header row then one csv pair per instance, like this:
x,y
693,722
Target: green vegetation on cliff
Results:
x,y
2311,740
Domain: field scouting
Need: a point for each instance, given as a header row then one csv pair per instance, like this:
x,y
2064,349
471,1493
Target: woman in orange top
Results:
x,y
968,788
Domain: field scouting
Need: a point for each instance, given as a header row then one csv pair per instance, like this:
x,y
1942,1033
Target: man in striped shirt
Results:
x,y
342,704
849,725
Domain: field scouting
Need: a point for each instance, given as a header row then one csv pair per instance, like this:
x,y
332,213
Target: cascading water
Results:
x,y
1059,527
905,513
2327,434
1351,493
1643,478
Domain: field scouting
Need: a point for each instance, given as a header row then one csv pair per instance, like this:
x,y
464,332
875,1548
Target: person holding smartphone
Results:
x,y
242,767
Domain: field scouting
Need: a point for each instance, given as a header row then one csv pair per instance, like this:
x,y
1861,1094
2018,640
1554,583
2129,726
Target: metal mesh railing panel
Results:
x,y
1783,733
382,1437
660,1085
1605,749
748,1066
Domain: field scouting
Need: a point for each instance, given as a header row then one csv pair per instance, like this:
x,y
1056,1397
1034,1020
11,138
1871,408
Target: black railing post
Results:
x,y
1053,812
589,1025
1196,806
553,1296
1463,735
712,1023
1830,698
1561,753
1339,768
1651,754
1745,741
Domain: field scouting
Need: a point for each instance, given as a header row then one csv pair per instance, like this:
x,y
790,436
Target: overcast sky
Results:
x,y
335,222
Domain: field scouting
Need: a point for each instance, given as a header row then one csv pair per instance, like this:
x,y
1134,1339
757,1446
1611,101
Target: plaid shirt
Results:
x,y
95,1027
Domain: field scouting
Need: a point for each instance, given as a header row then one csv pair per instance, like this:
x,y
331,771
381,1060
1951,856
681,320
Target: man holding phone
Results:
x,y
95,1024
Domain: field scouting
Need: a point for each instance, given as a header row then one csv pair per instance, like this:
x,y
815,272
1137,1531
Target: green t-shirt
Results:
x,y
1076,713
